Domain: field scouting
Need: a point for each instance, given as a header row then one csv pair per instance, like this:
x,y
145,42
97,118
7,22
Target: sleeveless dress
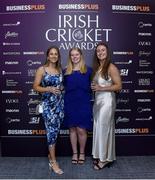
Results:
x,y
104,124
53,107
78,105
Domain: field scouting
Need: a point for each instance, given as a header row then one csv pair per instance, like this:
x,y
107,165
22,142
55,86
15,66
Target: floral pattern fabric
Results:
x,y
53,107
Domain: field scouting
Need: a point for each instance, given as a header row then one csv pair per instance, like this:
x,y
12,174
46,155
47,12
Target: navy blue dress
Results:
x,y
53,107
77,100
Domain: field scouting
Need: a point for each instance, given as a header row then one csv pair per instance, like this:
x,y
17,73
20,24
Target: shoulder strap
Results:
x,y
44,70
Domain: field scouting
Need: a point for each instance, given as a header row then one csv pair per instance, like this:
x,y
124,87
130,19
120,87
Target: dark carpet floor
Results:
x,y
126,167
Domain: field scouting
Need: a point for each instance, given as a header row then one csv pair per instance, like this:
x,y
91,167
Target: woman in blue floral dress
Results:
x,y
49,82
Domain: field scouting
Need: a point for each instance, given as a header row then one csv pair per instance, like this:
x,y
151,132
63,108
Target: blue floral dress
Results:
x,y
53,107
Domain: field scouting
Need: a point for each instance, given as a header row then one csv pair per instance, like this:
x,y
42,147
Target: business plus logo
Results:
x,y
25,7
131,8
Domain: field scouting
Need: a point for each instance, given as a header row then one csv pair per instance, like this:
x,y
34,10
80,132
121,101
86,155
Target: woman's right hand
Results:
x,y
96,87
54,90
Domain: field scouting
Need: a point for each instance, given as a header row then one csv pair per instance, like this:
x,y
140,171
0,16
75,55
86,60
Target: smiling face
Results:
x,y
53,56
101,52
75,56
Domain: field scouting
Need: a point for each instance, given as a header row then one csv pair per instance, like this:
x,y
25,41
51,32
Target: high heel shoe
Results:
x,y
95,161
53,165
81,158
101,165
75,160
109,164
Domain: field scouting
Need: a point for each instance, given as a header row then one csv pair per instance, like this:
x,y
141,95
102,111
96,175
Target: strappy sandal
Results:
x,y
81,160
98,166
53,165
95,161
75,161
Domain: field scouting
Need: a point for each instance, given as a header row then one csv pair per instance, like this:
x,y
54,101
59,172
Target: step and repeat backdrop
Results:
x,y
29,27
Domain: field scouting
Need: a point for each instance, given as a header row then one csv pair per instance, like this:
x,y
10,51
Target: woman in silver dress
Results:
x,y
106,81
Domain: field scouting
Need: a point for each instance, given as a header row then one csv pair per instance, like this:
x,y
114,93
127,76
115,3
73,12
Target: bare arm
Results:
x,y
116,81
37,81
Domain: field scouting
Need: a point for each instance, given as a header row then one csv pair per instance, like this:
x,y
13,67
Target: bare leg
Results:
x,y
52,152
52,158
73,139
82,138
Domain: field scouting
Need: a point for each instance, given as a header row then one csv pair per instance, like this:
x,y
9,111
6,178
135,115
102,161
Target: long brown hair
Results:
x,y
69,69
58,63
96,62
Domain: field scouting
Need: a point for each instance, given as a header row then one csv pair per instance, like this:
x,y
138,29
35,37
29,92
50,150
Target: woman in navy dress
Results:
x,y
78,106
48,81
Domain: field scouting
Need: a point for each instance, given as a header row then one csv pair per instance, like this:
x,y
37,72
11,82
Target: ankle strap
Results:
x,y
53,161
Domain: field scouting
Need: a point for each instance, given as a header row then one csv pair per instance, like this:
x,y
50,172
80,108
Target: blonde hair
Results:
x,y
83,67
